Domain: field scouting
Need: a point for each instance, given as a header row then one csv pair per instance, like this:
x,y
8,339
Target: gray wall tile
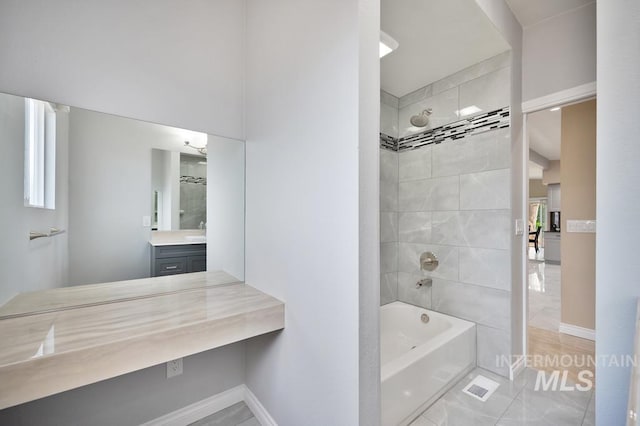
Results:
x,y
485,151
408,293
415,164
492,64
388,196
472,228
491,345
388,287
388,166
482,305
485,228
389,120
409,260
486,190
429,194
415,96
388,227
488,92
387,98
388,257
414,227
446,228
486,267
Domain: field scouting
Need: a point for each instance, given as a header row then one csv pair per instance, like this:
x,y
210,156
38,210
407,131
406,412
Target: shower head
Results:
x,y
422,119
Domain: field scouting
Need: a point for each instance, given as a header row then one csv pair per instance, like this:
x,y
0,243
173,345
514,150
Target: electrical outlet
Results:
x,y
174,368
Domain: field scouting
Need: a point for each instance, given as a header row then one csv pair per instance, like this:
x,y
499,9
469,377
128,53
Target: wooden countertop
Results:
x,y
47,353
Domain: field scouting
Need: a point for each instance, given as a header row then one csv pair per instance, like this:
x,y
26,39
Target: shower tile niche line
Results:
x,y
493,120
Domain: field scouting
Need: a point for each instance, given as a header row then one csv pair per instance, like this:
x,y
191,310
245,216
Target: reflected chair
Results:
x,y
534,236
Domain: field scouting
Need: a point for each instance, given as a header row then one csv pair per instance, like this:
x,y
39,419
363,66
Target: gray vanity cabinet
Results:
x,y
178,259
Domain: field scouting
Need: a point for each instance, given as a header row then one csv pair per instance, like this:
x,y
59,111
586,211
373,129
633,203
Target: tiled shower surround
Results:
x,y
453,199
193,191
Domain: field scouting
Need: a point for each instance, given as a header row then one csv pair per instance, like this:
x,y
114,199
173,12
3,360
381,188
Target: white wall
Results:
x,y
303,184
137,397
225,206
559,53
618,206
177,65
43,263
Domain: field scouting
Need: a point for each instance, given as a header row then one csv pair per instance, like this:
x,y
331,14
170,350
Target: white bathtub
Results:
x,y
420,361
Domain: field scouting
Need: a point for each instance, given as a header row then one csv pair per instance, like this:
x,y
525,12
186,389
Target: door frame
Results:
x,y
558,99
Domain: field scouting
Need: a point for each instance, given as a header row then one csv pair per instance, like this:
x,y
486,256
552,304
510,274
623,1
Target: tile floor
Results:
x,y
544,295
513,403
539,256
236,415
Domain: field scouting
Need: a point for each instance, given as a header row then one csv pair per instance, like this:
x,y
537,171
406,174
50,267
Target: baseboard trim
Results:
x,y
562,97
574,330
198,410
213,404
258,409
517,366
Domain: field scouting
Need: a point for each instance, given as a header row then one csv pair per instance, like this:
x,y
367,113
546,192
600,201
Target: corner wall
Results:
x,y
310,177
618,206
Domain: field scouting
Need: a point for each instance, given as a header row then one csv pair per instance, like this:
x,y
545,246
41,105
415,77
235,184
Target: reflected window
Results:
x,y
40,154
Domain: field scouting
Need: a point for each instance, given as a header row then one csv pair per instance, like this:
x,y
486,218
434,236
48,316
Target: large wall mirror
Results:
x,y
84,193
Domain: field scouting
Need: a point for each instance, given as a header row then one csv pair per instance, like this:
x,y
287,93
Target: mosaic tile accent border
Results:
x,y
193,179
497,119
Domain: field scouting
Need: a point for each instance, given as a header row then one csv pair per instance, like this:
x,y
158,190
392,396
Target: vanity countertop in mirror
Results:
x,y
47,353
43,301
174,238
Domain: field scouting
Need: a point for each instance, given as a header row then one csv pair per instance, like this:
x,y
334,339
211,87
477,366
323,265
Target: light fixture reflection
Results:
x,y
387,44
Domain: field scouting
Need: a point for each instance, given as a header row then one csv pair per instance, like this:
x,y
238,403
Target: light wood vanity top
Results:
x,y
97,294
47,353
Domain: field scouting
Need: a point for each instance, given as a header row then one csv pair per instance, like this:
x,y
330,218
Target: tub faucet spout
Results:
x,y
425,282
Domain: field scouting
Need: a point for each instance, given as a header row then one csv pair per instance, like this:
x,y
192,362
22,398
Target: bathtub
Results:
x,y
420,361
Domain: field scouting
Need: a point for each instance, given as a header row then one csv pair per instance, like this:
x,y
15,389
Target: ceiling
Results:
x,y
543,128
437,38
530,12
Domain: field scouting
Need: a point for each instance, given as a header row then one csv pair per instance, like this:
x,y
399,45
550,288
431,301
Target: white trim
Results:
x,y
517,367
213,404
560,98
260,413
574,330
201,409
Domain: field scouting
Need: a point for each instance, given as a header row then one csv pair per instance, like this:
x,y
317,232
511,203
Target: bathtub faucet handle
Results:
x,y
425,282
428,261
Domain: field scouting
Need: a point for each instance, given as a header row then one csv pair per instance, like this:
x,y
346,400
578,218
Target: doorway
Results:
x,y
560,290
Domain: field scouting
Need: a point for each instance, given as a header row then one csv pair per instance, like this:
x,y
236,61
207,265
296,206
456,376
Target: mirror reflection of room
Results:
x,y
80,187
179,191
